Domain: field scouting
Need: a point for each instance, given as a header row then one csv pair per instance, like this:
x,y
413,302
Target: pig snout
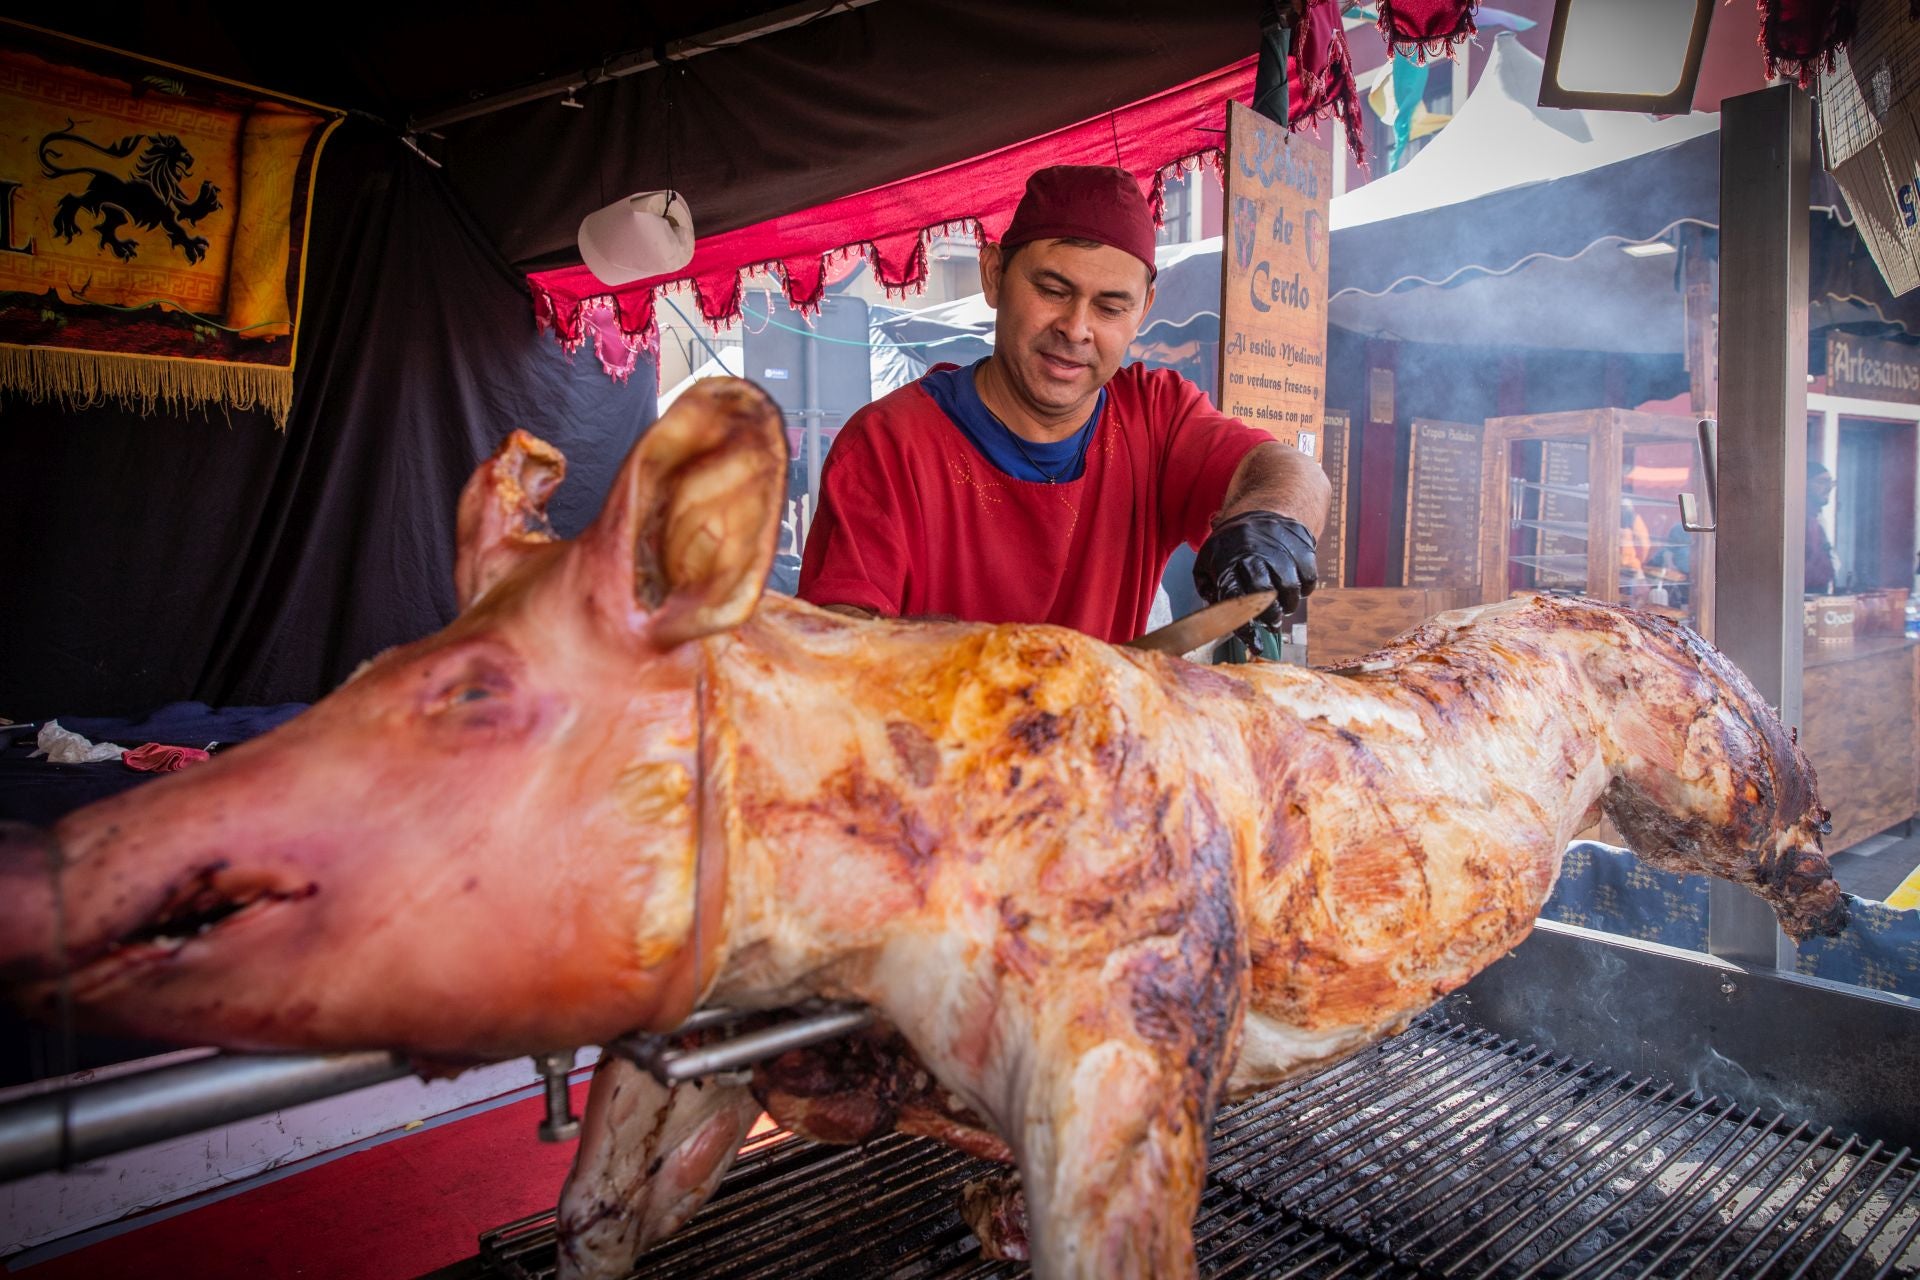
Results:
x,y
29,936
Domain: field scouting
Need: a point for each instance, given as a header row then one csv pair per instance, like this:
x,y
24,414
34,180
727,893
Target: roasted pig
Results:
x,y
1091,890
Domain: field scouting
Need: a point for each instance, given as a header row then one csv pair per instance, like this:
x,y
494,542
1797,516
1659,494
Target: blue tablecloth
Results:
x,y
41,792
1605,888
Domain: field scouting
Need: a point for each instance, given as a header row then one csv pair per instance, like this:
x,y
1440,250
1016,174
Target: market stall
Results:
x,y
1507,1133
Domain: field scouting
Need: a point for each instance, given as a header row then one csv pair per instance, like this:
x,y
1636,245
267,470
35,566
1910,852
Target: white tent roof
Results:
x,y
1502,138
728,364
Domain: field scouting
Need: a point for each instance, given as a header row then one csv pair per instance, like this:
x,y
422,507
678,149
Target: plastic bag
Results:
x,y
61,746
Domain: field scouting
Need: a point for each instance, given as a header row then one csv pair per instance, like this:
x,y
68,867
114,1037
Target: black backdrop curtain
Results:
x,y
145,560
816,112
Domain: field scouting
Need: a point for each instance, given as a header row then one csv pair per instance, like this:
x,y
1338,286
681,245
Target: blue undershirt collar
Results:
x,y
1059,462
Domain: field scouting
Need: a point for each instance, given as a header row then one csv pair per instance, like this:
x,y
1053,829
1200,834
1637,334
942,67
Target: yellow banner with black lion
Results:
x,y
153,228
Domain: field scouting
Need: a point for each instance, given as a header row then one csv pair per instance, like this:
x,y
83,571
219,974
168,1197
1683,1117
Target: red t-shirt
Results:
x,y
913,518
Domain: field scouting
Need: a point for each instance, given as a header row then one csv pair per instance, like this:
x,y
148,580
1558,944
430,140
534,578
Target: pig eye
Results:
x,y
471,691
464,693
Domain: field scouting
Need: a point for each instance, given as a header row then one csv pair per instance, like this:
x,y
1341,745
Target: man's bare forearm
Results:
x,y
1279,478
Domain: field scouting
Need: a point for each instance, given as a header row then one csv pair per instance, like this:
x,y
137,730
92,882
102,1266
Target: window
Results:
x,y
1180,220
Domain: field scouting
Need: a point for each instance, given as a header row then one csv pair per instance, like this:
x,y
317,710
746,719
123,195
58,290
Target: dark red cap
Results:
x,y
1084,202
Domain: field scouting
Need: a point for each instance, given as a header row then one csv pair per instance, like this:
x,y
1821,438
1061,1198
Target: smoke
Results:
x,y
1718,1075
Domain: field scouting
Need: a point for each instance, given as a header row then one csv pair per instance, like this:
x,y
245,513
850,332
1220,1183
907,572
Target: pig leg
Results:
x,y
1112,1166
650,1155
1114,1105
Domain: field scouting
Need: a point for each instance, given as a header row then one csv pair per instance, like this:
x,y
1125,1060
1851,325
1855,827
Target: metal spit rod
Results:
x,y
60,1127
671,1063
53,1130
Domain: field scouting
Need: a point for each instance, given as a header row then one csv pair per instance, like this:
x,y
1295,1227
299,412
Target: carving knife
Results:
x,y
1204,626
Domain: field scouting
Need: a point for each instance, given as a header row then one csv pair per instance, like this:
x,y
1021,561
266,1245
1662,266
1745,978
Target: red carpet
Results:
x,y
388,1213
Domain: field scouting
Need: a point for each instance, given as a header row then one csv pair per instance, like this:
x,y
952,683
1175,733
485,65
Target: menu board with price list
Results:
x,y
1332,551
1443,505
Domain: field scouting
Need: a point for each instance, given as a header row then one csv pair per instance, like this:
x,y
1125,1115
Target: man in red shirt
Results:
x,y
1047,483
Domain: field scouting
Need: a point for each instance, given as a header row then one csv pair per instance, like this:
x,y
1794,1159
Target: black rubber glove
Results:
x,y
1257,551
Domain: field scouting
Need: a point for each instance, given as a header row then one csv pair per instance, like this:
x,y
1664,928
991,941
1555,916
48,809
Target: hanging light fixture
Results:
x,y
644,235
1625,55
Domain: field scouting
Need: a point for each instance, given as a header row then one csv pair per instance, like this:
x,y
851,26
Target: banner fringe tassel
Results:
x,y
81,380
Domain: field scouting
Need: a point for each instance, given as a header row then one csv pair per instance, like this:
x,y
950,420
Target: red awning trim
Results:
x,y
1427,28
892,226
1320,83
618,334
1799,38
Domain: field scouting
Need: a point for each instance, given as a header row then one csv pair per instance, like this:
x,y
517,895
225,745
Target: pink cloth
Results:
x,y
161,757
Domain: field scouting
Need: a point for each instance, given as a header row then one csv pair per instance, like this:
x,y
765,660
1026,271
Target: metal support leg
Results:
x,y
1766,149
812,413
559,1124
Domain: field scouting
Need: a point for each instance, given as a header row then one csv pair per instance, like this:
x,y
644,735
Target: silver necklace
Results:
x,y
1073,464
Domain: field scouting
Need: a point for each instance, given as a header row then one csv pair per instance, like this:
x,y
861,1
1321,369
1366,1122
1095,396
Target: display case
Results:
x,y
1585,501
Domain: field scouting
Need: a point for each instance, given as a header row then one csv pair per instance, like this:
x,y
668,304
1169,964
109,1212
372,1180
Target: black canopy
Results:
x,y
780,122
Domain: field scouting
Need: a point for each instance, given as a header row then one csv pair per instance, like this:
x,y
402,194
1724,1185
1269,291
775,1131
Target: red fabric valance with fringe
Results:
x,y
891,225
1799,38
1426,27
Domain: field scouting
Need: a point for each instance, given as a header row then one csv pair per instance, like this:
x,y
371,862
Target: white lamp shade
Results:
x,y
648,234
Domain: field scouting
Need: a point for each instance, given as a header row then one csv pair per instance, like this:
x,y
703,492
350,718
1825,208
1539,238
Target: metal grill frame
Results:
x,y
1449,1151
1762,1038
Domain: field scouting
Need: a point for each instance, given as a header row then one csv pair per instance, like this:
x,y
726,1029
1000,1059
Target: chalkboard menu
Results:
x,y
1333,541
1443,505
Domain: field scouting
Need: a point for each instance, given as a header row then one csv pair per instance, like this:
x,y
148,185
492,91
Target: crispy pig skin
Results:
x,y
1099,889
1089,890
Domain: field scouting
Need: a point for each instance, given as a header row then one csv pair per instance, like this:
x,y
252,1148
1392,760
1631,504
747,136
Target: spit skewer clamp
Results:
x,y
686,1053
670,1059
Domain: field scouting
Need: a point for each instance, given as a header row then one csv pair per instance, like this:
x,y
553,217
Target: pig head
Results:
x,y
486,843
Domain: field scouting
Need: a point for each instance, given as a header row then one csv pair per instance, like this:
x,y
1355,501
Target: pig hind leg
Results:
x,y
650,1155
1111,1132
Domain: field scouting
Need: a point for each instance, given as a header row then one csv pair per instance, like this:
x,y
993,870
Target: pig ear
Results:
x,y
695,515
503,512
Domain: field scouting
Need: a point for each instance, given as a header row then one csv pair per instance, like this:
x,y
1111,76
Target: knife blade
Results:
x,y
1204,626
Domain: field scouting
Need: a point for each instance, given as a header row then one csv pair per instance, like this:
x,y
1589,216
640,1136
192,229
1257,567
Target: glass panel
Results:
x,y
1646,558
1547,501
1859,724
1656,555
1871,522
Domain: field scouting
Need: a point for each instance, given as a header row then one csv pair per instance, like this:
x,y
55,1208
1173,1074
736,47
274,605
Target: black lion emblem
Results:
x,y
152,197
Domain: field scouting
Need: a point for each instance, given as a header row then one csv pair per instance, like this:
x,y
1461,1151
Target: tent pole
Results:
x,y
1766,151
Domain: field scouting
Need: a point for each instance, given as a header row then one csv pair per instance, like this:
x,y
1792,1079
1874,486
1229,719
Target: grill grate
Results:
x,y
1445,1152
